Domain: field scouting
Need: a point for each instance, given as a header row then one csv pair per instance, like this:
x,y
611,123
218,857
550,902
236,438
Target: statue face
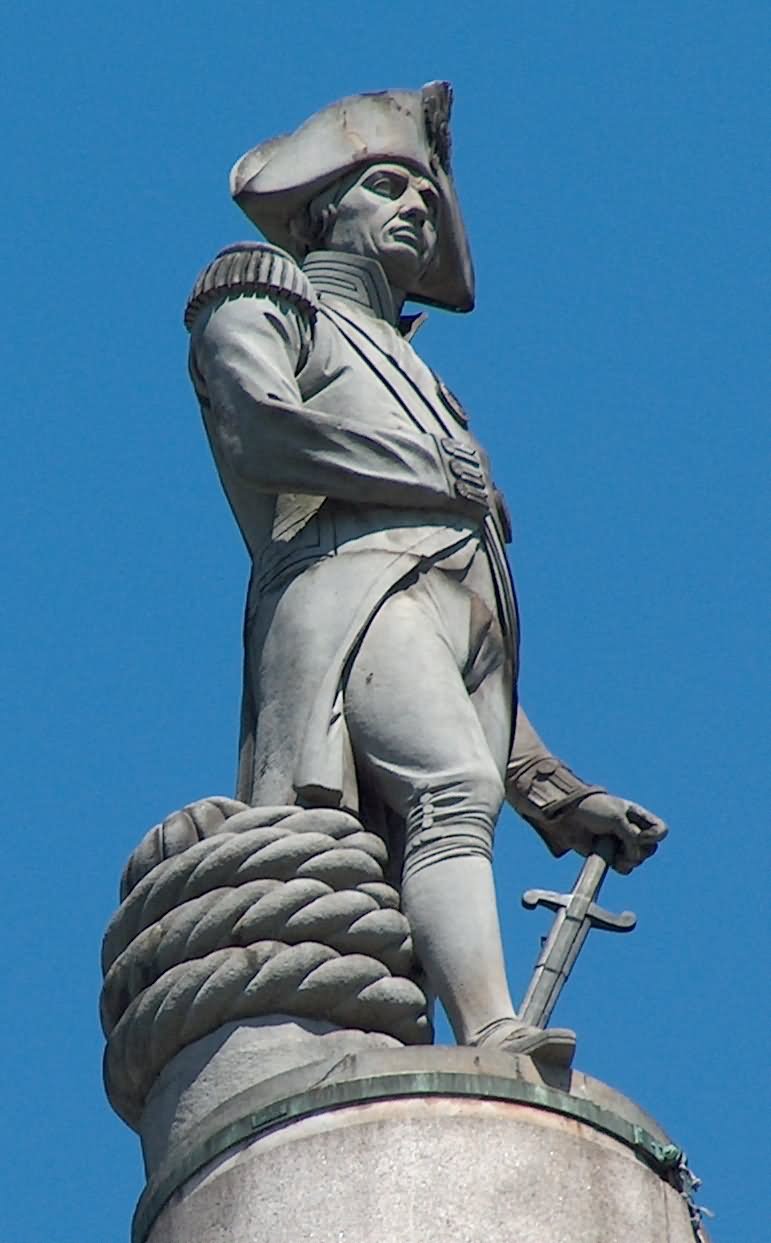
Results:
x,y
388,213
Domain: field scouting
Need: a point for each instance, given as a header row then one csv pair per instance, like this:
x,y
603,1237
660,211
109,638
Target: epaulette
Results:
x,y
252,268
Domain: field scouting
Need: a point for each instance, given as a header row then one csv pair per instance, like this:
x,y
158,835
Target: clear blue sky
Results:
x,y
613,166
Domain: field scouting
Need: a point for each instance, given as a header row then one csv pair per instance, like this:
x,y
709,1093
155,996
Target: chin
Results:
x,y
402,269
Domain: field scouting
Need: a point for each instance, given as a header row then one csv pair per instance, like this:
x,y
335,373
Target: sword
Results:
x,y
577,914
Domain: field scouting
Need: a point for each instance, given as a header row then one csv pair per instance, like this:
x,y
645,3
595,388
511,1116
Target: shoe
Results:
x,y
554,1046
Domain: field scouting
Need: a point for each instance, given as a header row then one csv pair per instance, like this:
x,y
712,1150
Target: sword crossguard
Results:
x,y
580,908
576,914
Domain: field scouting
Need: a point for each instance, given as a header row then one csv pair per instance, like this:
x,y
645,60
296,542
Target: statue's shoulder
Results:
x,y
252,268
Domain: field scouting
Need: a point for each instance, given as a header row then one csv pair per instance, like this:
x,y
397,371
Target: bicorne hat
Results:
x,y
274,181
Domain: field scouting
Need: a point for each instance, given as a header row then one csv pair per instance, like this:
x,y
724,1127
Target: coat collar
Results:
x,y
361,281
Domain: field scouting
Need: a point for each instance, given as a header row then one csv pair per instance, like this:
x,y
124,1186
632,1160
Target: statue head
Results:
x,y
369,175
385,211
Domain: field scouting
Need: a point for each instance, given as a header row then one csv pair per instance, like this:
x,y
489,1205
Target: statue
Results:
x,y
381,630
269,971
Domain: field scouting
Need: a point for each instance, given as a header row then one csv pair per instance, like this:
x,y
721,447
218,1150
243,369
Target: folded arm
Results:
x,y
245,354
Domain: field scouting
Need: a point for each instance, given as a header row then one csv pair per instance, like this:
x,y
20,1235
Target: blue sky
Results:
x,y
612,162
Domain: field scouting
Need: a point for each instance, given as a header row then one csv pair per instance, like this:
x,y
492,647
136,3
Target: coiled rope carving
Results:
x,y
232,912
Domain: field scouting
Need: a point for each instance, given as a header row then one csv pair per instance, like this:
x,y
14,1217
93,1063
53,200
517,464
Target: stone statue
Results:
x,y
381,632
269,971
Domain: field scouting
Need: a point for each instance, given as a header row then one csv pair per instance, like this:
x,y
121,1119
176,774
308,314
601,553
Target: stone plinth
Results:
x,y
413,1145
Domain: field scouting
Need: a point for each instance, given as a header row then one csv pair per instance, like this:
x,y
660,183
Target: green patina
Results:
x,y
664,1159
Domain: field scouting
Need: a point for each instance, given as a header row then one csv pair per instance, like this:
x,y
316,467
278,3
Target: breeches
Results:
x,y
428,704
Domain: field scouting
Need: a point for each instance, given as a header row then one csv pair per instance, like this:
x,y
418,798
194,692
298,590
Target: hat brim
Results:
x,y
364,129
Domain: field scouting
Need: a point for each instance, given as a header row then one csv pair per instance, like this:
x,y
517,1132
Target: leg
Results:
x,y
421,746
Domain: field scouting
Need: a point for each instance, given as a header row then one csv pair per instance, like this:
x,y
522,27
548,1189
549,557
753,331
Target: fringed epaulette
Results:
x,y
252,268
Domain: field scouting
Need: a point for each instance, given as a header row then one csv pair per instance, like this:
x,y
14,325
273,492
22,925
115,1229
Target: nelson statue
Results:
x,y
381,635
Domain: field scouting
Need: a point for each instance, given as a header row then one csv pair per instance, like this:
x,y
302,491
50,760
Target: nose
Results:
x,y
413,206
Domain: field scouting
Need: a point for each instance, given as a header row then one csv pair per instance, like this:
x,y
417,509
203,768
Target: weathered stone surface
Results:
x,y
444,1167
251,912
240,1057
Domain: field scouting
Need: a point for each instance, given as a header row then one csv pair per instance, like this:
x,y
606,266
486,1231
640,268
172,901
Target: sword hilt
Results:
x,y
580,904
577,912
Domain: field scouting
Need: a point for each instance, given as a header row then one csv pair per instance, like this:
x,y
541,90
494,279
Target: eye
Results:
x,y
389,185
431,200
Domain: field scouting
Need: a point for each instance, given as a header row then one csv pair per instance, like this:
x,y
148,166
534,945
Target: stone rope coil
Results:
x,y
232,912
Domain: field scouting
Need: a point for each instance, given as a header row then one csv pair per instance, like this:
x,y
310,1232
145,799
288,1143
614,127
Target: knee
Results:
x,y
476,792
452,819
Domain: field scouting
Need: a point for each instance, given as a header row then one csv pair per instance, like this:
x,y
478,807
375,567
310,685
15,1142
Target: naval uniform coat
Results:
x,y
340,454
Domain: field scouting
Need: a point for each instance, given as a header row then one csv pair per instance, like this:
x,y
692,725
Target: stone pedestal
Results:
x,y
366,1144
